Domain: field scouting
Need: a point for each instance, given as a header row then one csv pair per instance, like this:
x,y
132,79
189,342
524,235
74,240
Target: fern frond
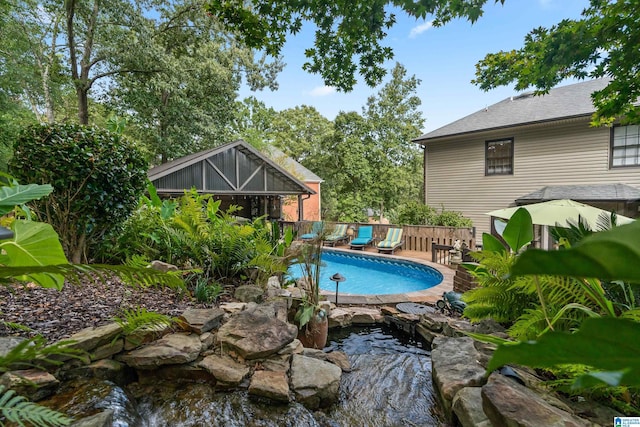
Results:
x,y
15,326
137,261
633,314
139,318
17,409
533,323
529,325
34,352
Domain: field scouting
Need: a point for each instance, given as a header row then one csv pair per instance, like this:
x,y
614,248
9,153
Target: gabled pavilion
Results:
x,y
235,173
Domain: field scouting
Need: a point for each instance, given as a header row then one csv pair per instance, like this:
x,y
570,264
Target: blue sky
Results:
x,y
442,58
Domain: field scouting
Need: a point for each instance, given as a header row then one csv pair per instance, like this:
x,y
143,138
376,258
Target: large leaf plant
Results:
x,y
34,254
607,340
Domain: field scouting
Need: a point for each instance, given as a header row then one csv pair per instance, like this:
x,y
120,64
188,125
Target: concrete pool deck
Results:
x,y
430,295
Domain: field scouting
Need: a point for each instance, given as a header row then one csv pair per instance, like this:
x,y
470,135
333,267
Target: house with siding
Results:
x,y
527,149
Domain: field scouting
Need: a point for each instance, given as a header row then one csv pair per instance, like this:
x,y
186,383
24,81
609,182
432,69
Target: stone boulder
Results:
x,y
467,407
294,347
201,320
508,403
104,369
365,316
145,334
31,383
107,350
226,371
269,384
255,334
91,338
338,358
101,419
340,317
9,343
315,383
249,293
233,307
163,266
454,366
273,283
171,349
434,322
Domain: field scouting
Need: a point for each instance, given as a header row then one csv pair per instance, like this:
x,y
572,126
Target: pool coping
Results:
x,y
430,295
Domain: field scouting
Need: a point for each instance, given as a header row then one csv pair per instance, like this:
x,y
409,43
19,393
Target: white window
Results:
x,y
625,146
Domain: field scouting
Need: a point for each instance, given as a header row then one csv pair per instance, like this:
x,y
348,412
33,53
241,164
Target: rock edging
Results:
x,y
254,350
515,398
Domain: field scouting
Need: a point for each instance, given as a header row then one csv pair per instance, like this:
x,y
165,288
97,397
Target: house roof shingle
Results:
x,y
589,193
560,103
251,156
291,165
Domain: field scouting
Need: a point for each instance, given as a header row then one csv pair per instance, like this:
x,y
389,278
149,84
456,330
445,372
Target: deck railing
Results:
x,y
419,238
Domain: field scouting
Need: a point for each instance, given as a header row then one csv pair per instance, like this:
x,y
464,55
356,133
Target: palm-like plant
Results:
x,y
309,256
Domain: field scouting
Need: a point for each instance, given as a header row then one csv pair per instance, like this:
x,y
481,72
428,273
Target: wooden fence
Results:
x,y
416,237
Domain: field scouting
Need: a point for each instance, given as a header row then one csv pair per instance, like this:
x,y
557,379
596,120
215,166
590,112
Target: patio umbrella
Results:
x,y
559,211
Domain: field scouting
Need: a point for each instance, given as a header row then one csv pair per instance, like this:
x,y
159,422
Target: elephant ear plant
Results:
x,y
608,339
34,254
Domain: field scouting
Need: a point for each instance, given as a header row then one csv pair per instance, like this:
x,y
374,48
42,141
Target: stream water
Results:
x,y
390,385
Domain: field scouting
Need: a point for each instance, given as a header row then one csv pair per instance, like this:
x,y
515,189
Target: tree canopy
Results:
x,y
349,41
346,30
604,43
166,67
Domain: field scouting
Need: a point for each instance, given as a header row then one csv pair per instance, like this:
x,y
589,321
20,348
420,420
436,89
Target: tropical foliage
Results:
x,y
194,233
308,257
17,409
573,318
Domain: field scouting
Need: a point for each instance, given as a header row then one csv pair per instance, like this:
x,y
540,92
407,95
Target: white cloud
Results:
x,y
420,29
322,91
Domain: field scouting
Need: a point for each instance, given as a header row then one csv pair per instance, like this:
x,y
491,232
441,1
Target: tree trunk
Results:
x,y
80,67
83,105
78,251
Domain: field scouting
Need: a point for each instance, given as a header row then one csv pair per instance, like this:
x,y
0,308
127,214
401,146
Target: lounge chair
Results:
x,y
339,234
316,229
392,242
364,238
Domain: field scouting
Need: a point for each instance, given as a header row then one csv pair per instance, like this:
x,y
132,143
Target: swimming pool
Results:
x,y
373,275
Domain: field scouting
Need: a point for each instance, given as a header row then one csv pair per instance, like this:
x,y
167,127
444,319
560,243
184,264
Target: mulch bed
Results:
x,y
58,314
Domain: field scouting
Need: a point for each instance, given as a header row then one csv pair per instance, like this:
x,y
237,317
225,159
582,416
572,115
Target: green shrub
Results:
x,y
451,219
415,213
192,232
97,178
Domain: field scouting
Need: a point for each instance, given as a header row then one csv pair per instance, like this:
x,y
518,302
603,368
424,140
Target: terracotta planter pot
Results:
x,y
314,333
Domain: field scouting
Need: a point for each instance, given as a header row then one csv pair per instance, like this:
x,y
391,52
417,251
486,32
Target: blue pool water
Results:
x,y
369,275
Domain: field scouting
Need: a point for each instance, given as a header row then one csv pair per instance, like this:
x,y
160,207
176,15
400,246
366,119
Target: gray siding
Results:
x,y
566,153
